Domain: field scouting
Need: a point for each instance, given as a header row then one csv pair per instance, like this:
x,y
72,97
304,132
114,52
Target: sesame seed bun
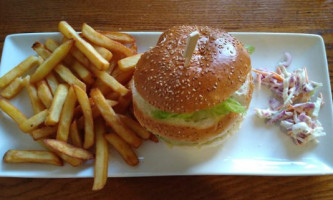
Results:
x,y
219,66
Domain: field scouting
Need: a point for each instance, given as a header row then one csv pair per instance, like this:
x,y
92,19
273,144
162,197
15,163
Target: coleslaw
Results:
x,y
291,105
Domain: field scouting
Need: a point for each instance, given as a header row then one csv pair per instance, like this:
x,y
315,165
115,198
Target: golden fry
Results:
x,y
112,96
108,80
123,148
106,54
61,70
51,45
83,73
19,70
12,111
88,119
33,122
123,103
41,50
135,126
103,41
129,63
111,118
31,156
44,93
71,160
86,48
70,150
13,88
122,76
36,103
56,57
105,89
69,77
52,81
76,53
123,38
44,132
75,135
101,156
66,116
57,104
95,112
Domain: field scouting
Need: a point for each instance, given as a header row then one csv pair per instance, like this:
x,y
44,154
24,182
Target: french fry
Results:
x,y
44,132
153,138
19,70
105,89
69,77
76,53
95,112
71,160
106,54
51,45
44,93
66,116
108,80
101,156
32,156
112,96
56,57
134,48
41,50
122,76
103,41
78,109
83,73
88,119
33,122
70,150
75,135
123,148
123,103
123,38
52,81
128,63
12,111
61,70
111,118
135,126
36,103
86,48
57,104
13,88
113,63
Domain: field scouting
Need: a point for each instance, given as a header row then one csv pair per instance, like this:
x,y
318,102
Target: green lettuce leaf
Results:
x,y
250,49
227,106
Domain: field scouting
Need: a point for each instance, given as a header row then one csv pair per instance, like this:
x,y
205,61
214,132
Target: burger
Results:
x,y
198,103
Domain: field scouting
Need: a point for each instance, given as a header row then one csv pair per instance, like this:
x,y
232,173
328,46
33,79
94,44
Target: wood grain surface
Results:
x,y
300,16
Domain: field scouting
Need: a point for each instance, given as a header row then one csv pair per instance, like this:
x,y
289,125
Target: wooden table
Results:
x,y
301,16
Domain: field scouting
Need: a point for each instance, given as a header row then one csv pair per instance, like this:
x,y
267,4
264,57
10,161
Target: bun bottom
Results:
x,y
181,134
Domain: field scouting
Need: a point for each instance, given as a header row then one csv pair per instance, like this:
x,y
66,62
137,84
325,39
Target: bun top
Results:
x,y
218,67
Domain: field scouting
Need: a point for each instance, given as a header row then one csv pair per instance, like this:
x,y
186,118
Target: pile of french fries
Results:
x,y
80,98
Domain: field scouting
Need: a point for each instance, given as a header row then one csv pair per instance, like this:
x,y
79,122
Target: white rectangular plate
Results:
x,y
257,149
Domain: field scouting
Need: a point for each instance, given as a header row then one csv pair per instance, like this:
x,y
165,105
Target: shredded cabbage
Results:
x,y
227,106
292,106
